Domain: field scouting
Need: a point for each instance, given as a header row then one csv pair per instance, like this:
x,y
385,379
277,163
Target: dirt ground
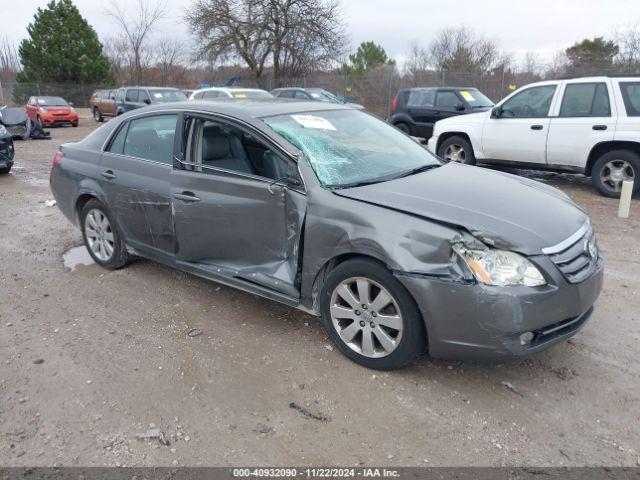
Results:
x,y
89,359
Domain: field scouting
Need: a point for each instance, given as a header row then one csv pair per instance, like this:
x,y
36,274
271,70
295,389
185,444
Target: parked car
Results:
x,y
103,104
331,210
312,94
131,98
585,125
6,150
51,112
16,121
415,110
230,93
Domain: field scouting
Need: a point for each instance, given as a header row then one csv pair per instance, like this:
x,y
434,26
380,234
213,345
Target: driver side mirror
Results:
x,y
147,101
496,112
459,107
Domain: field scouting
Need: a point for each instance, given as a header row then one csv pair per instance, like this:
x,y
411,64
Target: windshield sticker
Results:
x,y
467,96
240,95
312,121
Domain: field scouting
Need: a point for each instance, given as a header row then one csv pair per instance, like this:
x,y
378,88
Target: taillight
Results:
x,y
57,159
394,103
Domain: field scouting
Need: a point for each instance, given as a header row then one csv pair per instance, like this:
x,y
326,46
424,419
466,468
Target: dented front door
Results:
x,y
239,226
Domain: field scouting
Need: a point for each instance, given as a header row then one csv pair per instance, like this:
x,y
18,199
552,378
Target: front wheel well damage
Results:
x,y
332,263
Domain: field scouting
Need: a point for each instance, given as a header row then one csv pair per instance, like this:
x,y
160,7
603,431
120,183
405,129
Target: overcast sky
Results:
x,y
543,26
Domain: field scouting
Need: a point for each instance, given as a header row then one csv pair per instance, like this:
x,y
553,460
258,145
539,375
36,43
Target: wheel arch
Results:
x,y
446,135
331,264
604,147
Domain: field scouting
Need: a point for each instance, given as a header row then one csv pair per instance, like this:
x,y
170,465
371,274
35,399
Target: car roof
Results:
x,y
153,88
251,109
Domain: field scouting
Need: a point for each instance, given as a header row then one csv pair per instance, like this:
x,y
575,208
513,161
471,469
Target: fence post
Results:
x,y
1,94
502,84
443,78
84,96
389,92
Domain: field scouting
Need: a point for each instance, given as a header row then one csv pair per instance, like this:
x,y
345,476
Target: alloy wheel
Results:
x,y
366,317
99,234
614,172
455,153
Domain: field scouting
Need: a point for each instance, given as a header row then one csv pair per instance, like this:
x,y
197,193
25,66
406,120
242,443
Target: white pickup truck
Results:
x,y
586,125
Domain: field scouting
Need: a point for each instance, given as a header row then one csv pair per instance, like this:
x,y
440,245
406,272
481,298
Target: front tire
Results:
x,y
457,149
404,127
612,168
97,116
102,236
370,316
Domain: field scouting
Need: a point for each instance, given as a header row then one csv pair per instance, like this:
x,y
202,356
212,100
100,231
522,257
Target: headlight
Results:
x,y
500,267
43,110
3,131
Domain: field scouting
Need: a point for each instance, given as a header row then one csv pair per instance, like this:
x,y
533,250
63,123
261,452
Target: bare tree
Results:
x,y
136,29
292,36
9,60
461,50
629,43
169,59
418,60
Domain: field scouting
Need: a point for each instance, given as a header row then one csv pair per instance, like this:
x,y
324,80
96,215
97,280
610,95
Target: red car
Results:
x,y
52,111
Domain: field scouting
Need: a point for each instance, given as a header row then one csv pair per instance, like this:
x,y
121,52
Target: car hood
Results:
x,y
10,116
500,209
474,117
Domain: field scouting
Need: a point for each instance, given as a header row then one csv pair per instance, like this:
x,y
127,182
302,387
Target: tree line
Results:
x,y
268,41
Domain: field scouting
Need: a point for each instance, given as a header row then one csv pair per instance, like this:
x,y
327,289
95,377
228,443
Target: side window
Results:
x,y
421,97
530,103
222,146
151,138
132,95
117,144
585,100
301,95
631,96
210,94
143,96
447,99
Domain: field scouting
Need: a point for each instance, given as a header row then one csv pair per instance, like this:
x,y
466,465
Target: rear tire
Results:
x,y
378,324
97,116
102,237
612,168
5,170
457,149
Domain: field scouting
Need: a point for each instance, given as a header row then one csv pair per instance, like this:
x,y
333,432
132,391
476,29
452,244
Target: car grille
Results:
x,y
578,256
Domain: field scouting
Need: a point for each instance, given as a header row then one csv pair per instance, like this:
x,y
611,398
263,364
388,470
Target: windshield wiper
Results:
x,y
420,169
355,184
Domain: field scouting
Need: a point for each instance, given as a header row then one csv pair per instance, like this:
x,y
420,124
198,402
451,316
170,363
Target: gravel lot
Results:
x,y
89,359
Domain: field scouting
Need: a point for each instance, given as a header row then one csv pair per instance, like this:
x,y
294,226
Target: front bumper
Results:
x,y
474,321
432,145
56,120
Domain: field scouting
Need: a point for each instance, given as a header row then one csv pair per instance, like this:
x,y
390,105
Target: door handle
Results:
x,y
599,127
186,197
536,127
108,174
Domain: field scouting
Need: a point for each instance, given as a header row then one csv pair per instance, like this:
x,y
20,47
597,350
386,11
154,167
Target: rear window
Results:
x,y
585,100
421,97
631,96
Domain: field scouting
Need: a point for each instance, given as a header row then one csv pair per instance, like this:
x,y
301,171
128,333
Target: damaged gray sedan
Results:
x,y
335,212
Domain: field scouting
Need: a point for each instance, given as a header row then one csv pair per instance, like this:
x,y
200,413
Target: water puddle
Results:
x,y
77,257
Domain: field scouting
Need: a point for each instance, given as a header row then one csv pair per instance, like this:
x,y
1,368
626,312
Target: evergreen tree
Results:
x,y
62,48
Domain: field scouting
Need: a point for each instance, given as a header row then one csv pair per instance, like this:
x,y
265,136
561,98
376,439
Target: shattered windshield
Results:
x,y
350,147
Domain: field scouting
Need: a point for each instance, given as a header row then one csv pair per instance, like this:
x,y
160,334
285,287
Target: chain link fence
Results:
x,y
374,91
